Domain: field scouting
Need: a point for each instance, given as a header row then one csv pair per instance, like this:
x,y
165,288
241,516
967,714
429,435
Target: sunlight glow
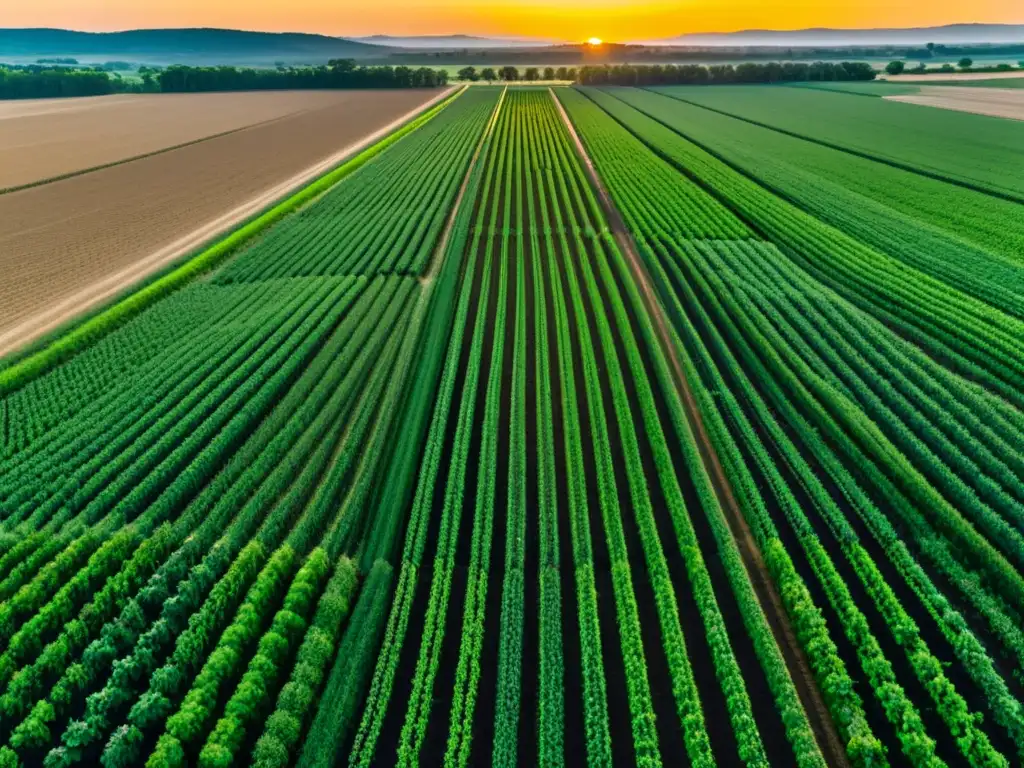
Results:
x,y
595,41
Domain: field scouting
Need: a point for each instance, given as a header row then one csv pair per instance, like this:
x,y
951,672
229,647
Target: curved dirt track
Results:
x,y
69,245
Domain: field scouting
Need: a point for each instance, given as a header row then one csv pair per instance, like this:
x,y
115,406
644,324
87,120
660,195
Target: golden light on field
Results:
x,y
595,41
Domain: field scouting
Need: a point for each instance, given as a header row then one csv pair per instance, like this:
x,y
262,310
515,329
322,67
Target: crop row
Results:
x,y
938,148
171,524
786,356
387,218
539,252
962,237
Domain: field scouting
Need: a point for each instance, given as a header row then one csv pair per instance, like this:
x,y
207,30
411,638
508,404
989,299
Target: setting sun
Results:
x,y
595,41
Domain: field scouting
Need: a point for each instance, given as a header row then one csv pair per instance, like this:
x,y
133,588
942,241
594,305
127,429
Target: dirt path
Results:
x,y
55,314
825,731
994,102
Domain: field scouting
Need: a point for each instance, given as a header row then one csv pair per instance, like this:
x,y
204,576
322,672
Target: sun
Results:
x,y
595,41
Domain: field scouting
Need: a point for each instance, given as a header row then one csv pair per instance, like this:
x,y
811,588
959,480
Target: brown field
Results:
x,y
52,137
995,102
947,77
68,245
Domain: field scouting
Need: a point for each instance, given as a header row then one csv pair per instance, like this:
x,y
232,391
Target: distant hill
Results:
x,y
953,33
191,45
453,41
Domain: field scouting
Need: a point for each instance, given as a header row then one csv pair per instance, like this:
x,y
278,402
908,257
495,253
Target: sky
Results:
x,y
559,19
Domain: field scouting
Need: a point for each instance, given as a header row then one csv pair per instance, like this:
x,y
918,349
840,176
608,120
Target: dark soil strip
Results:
x,y
935,727
873,709
767,593
713,704
1009,196
529,716
394,718
436,739
575,743
769,722
483,716
670,733
619,716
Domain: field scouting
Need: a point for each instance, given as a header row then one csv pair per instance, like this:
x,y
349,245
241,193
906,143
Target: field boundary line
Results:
x,y
1008,196
442,243
260,212
125,160
765,588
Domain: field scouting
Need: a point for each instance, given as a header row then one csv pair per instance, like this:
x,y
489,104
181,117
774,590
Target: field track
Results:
x,y
73,244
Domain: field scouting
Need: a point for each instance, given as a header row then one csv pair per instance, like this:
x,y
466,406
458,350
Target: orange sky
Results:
x,y
564,19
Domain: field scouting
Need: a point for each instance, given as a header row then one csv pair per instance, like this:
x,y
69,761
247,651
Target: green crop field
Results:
x,y
675,426
985,153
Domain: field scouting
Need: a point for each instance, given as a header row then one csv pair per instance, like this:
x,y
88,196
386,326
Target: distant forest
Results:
x,y
724,74
41,83
341,73
37,82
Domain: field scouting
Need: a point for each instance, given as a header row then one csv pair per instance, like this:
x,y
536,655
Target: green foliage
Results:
x,y
340,73
985,163
284,727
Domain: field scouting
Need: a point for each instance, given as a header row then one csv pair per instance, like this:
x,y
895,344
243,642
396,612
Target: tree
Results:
x,y
965,63
895,67
342,65
468,73
509,74
571,74
489,74
549,73
532,74
562,73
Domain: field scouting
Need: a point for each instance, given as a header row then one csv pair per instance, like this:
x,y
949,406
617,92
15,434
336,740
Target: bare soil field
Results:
x,y
957,77
995,102
70,244
50,138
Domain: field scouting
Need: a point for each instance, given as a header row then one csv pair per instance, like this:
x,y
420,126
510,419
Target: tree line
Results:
x,y
53,83
723,74
339,73
898,67
510,74
35,82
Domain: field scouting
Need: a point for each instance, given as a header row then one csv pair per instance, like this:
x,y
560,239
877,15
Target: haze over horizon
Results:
x,y
560,19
